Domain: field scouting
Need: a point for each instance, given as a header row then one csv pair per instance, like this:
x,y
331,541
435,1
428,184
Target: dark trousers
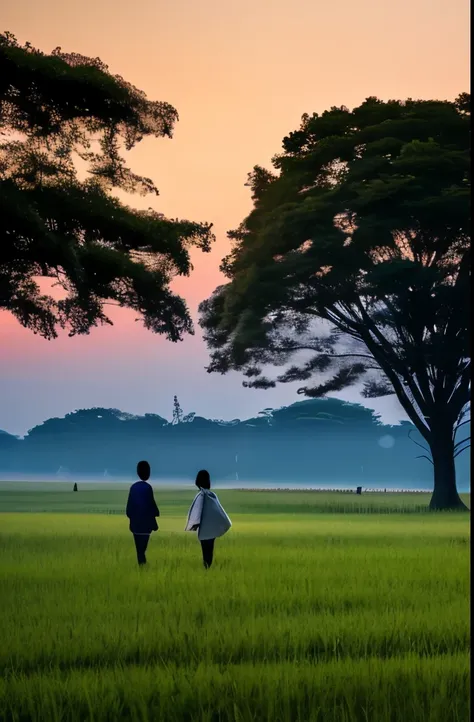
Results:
x,y
207,546
141,543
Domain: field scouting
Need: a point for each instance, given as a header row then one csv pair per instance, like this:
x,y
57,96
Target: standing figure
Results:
x,y
142,510
207,517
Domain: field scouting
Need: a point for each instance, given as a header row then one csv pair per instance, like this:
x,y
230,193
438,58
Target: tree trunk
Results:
x,y
445,495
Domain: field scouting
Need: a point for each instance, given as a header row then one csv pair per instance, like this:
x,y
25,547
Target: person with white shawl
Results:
x,y
207,517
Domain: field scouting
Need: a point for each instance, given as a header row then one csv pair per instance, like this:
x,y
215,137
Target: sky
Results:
x,y
240,73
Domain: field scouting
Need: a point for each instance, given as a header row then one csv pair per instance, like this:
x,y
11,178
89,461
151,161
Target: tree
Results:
x,y
61,113
189,418
177,412
322,441
354,267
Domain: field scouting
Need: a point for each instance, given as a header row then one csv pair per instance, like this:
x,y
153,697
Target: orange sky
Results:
x,y
240,74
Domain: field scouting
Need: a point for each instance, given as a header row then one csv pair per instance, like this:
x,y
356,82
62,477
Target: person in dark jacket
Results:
x,y
142,510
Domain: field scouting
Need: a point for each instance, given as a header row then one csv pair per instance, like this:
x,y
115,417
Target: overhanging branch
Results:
x,y
461,450
423,456
463,441
416,442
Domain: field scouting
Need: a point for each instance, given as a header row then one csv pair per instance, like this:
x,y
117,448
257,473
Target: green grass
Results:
x,y
110,498
306,616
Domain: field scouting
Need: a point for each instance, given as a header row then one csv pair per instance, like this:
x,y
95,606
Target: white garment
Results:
x,y
207,512
195,512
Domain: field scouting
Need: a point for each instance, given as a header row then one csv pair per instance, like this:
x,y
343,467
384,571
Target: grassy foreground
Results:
x,y
306,616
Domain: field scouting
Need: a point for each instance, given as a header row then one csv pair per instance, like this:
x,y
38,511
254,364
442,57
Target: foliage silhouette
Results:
x,y
354,267
323,441
61,113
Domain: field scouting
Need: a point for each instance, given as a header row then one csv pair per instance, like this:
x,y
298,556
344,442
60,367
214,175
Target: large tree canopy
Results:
x,y
61,114
354,267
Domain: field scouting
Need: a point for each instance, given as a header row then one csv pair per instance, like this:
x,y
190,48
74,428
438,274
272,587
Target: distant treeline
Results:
x,y
316,440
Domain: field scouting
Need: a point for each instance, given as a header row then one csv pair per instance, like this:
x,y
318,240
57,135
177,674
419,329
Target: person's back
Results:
x,y
214,521
207,517
142,510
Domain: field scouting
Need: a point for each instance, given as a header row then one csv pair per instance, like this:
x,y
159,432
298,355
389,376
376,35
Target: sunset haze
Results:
x,y
240,75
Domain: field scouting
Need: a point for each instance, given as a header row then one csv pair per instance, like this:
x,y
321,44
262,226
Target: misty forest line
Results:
x,y
319,441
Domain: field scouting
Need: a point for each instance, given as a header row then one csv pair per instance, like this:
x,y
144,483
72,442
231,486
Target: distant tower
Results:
x,y
177,412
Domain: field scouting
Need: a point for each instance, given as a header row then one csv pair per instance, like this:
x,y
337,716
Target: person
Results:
x,y
142,511
207,517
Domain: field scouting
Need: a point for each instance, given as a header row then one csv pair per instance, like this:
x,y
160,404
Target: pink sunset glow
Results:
x,y
240,74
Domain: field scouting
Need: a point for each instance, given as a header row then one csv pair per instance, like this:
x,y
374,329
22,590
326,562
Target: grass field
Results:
x,y
320,607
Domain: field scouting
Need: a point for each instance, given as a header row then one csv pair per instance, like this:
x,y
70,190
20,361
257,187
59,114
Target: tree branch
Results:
x,y
423,456
297,347
401,394
416,442
468,421
357,328
461,450
368,327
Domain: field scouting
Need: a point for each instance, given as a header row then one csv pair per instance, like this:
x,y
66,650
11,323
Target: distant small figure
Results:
x,y
207,517
75,487
142,511
359,490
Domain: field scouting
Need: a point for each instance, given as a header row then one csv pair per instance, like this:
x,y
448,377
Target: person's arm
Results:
x,y
128,510
156,511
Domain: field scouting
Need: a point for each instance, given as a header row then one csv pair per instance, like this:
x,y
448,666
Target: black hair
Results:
x,y
203,480
143,470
